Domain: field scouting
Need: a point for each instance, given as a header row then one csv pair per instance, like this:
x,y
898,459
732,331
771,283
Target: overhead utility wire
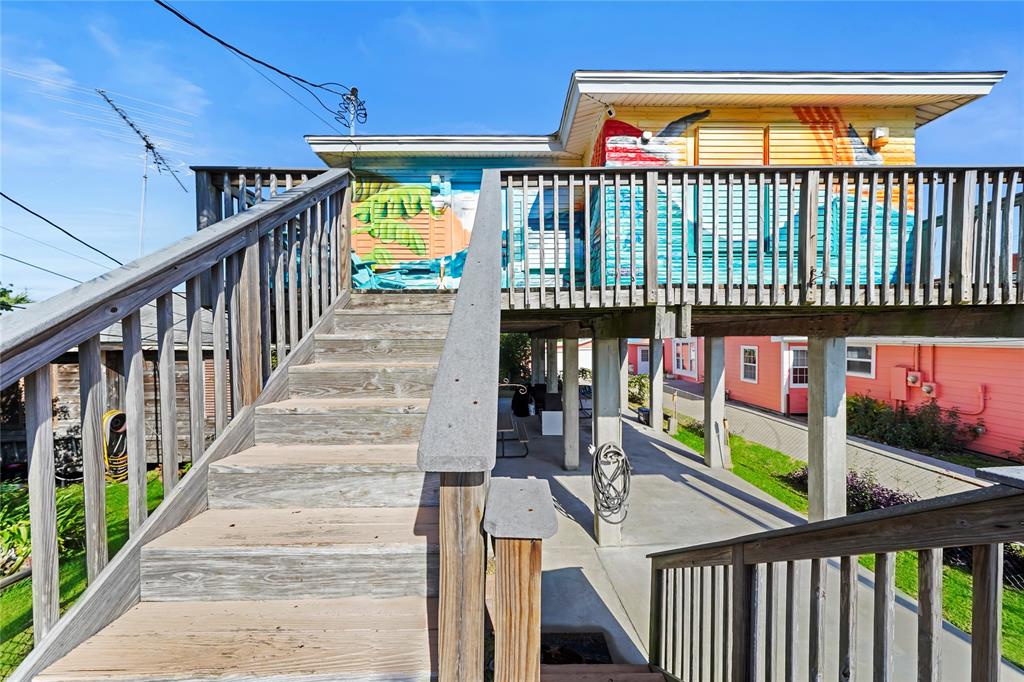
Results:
x,y
350,105
39,267
51,246
158,159
50,222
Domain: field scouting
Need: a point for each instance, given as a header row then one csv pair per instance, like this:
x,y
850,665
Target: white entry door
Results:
x,y
643,360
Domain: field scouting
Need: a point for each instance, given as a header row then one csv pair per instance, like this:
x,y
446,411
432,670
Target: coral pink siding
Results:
x,y
767,391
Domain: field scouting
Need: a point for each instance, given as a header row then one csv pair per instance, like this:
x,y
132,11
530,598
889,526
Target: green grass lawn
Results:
x,y
16,601
766,469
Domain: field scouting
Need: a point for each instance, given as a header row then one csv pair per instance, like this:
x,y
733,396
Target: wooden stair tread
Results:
x,y
346,405
398,457
348,527
602,676
349,638
595,667
367,365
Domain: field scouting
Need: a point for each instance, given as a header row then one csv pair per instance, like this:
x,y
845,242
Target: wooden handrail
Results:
x,y
34,337
744,570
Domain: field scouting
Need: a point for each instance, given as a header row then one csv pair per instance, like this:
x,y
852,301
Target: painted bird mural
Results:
x,y
621,143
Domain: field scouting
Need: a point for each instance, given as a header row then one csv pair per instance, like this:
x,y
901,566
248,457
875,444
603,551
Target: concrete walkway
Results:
x,y
675,502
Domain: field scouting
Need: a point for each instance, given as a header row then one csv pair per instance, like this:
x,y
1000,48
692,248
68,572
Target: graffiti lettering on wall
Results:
x,y
408,234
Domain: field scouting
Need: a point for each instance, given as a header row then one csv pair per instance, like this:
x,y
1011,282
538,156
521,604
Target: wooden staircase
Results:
x,y
614,672
317,558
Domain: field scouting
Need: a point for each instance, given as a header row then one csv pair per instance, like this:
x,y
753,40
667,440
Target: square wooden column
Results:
x,y
623,375
716,435
551,366
607,428
826,428
536,361
571,403
656,381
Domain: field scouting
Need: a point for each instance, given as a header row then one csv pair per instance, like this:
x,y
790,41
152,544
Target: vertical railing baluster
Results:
x,y
713,613
986,611
542,242
789,643
987,275
315,234
167,388
556,224
918,256
221,387
324,246
265,256
776,236
656,633
791,240
684,239
745,240
135,418
670,290
759,237
746,615
726,622
869,254
305,270
650,240
883,284
826,252
632,238
847,618
816,623
698,238
617,242
91,409
196,372
280,310
695,621
526,243
807,239
678,620
714,238
573,303
42,504
928,250
770,642
510,242
901,246
729,227
884,612
948,224
294,313
586,241
844,202
855,286
929,614
1006,262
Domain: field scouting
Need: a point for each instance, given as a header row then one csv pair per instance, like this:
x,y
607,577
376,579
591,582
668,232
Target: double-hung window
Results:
x,y
748,364
798,368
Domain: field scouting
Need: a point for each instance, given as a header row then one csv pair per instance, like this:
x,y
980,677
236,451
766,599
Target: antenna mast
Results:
x,y
149,148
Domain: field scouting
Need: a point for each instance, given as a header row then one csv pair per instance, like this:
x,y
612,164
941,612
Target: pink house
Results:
x,y
983,378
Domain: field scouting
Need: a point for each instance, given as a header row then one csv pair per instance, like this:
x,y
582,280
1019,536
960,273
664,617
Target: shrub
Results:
x,y
586,375
639,389
514,358
694,426
925,428
863,492
14,524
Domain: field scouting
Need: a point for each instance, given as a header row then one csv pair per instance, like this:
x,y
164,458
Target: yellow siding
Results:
x,y
797,144
730,145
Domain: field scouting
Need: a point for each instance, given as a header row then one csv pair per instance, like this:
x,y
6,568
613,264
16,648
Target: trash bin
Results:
x,y
644,414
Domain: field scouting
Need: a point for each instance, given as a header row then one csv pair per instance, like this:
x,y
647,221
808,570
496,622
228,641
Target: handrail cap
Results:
x,y
520,508
1006,475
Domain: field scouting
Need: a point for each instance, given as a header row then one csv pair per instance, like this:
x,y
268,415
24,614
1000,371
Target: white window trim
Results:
x,y
743,364
864,375
789,372
690,344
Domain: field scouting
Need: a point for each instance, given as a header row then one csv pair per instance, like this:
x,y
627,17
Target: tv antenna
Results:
x,y
159,161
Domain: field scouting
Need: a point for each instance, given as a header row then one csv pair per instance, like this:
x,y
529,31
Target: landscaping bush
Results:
x,y
694,426
639,389
514,358
14,524
925,428
863,492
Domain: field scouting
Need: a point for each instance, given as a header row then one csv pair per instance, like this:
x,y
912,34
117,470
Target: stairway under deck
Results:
x,y
317,557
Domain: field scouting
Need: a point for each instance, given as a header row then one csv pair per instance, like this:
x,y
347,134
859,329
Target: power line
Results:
x,y
50,222
51,246
351,109
38,267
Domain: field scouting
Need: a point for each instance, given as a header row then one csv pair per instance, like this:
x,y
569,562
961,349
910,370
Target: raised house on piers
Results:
x,y
670,204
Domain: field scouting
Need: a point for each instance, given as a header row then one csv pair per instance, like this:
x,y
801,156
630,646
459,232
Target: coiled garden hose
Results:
x,y
609,477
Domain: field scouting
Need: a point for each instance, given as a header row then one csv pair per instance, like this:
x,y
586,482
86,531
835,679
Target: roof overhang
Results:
x,y
932,94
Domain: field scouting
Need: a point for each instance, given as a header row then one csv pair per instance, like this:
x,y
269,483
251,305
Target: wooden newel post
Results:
x,y
519,516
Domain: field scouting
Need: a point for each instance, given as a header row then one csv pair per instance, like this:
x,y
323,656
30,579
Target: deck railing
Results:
x,y
270,268
732,610
598,237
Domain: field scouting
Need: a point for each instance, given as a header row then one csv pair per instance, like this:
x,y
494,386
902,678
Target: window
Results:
x,y
645,354
686,358
798,368
860,361
748,364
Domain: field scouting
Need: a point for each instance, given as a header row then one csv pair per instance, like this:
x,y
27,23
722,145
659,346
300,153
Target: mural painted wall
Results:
x,y
410,234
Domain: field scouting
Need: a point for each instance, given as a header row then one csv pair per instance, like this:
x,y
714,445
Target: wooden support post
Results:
x,y
196,371
92,396
808,255
460,637
986,611
42,503
135,415
571,403
607,422
746,605
517,607
166,384
962,234
651,238
623,376
656,373
716,435
551,365
826,428
537,368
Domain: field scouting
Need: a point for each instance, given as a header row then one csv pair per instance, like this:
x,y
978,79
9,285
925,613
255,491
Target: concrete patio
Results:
x,y
676,501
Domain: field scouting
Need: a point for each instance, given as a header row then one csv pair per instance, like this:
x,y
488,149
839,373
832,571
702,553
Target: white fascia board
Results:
x,y
540,145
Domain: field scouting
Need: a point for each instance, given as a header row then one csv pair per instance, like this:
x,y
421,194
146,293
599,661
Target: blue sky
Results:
x,y
422,68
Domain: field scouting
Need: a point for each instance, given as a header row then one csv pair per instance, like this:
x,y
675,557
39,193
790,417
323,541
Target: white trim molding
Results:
x,y
872,358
